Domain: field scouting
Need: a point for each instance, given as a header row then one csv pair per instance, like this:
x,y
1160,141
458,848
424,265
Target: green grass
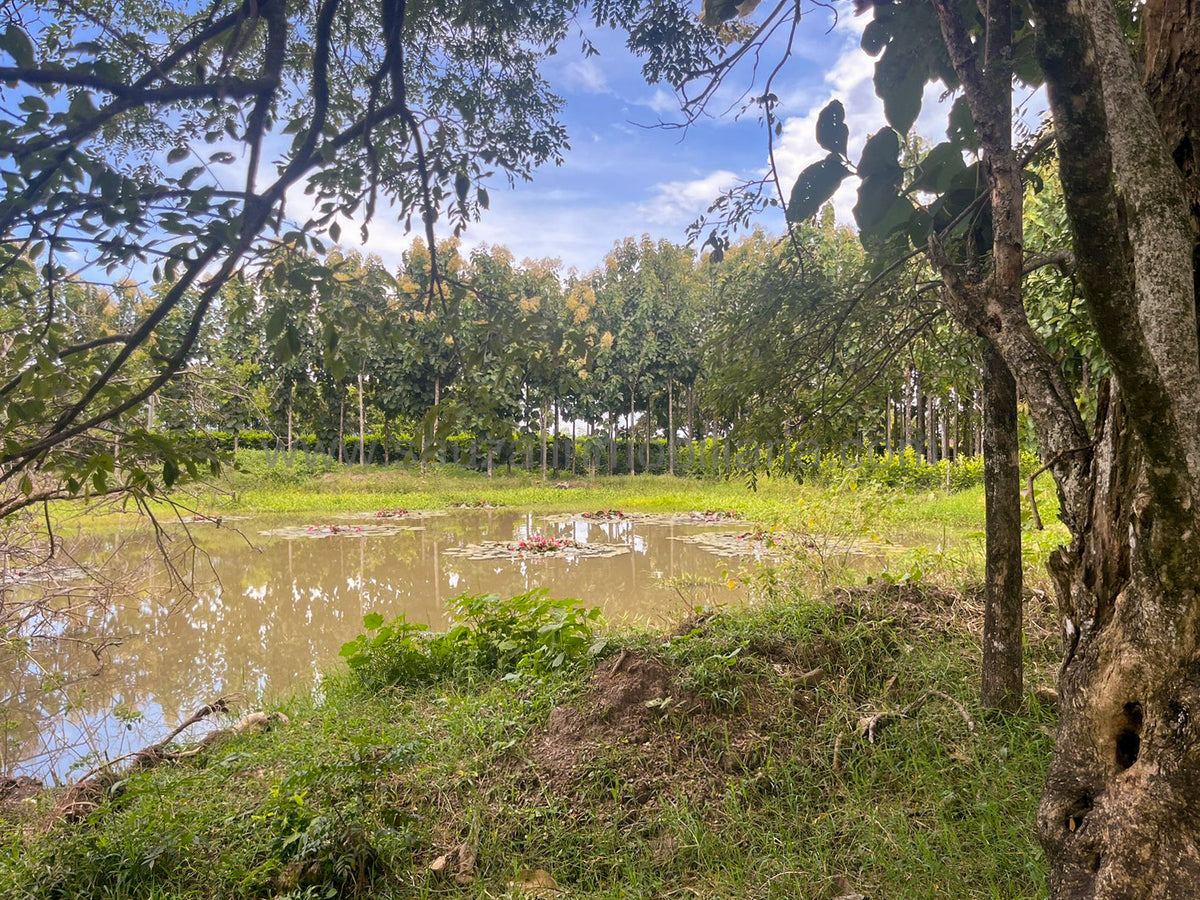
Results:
x,y
746,780
746,777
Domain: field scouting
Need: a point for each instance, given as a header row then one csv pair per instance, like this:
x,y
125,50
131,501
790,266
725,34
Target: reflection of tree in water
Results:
x,y
281,609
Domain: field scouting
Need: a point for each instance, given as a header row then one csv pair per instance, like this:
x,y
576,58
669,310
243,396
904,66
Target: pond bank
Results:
x,y
726,758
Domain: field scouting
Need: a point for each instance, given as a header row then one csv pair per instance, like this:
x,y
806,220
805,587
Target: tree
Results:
x,y
1117,814
102,150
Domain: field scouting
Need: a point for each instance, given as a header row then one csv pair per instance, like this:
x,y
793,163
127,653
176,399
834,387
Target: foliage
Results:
x,y
526,635
135,140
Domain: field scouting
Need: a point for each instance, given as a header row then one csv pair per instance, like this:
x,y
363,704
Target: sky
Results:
x,y
624,176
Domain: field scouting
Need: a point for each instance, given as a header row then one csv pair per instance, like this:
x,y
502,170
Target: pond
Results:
x,y
274,598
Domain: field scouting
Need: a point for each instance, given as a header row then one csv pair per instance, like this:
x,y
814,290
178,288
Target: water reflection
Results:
x,y
269,613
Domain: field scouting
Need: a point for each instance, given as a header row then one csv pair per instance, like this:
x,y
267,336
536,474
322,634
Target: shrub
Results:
x,y
526,635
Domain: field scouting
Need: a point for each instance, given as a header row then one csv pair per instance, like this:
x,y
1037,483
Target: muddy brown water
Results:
x,y
268,613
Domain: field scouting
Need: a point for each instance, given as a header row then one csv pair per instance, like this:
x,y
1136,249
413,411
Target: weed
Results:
x,y
523,636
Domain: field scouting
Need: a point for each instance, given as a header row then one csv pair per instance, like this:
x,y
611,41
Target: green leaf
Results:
x,y
18,45
961,130
177,154
814,187
26,484
880,209
876,36
937,170
717,12
276,323
372,621
82,106
832,131
462,184
881,157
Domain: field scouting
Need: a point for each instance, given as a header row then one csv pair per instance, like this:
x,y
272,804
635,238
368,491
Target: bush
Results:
x,y
526,635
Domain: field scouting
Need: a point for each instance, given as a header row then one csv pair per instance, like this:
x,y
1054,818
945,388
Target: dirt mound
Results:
x,y
625,705
15,794
636,737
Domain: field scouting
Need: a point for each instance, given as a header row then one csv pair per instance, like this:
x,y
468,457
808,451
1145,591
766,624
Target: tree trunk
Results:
x,y
554,445
612,447
649,428
1118,814
542,428
945,426
631,440
671,427
920,425
341,457
954,429
888,421
1117,818
1002,632
362,425
909,384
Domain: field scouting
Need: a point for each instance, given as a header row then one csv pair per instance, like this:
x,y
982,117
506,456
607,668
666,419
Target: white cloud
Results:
x,y
664,102
587,75
676,204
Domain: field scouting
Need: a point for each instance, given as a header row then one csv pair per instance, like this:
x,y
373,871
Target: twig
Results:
x,y
84,796
870,726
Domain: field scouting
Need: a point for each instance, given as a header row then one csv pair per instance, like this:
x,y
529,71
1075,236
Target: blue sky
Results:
x,y
624,177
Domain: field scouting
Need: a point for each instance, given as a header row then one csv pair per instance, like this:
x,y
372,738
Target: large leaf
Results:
x,y
876,36
881,157
881,210
815,186
938,169
719,11
832,132
961,129
900,83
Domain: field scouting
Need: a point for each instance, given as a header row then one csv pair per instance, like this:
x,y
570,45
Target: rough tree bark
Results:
x,y
1118,815
992,306
1003,670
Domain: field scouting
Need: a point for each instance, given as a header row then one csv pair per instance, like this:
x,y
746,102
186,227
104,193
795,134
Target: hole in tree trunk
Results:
x,y
1078,811
1129,741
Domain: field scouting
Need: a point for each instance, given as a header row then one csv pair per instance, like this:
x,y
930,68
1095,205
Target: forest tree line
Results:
x,y
795,347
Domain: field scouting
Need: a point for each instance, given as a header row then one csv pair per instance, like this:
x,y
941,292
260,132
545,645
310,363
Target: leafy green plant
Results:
x,y
529,634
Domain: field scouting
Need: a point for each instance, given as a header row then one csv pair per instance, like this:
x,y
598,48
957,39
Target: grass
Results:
x,y
725,759
748,776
